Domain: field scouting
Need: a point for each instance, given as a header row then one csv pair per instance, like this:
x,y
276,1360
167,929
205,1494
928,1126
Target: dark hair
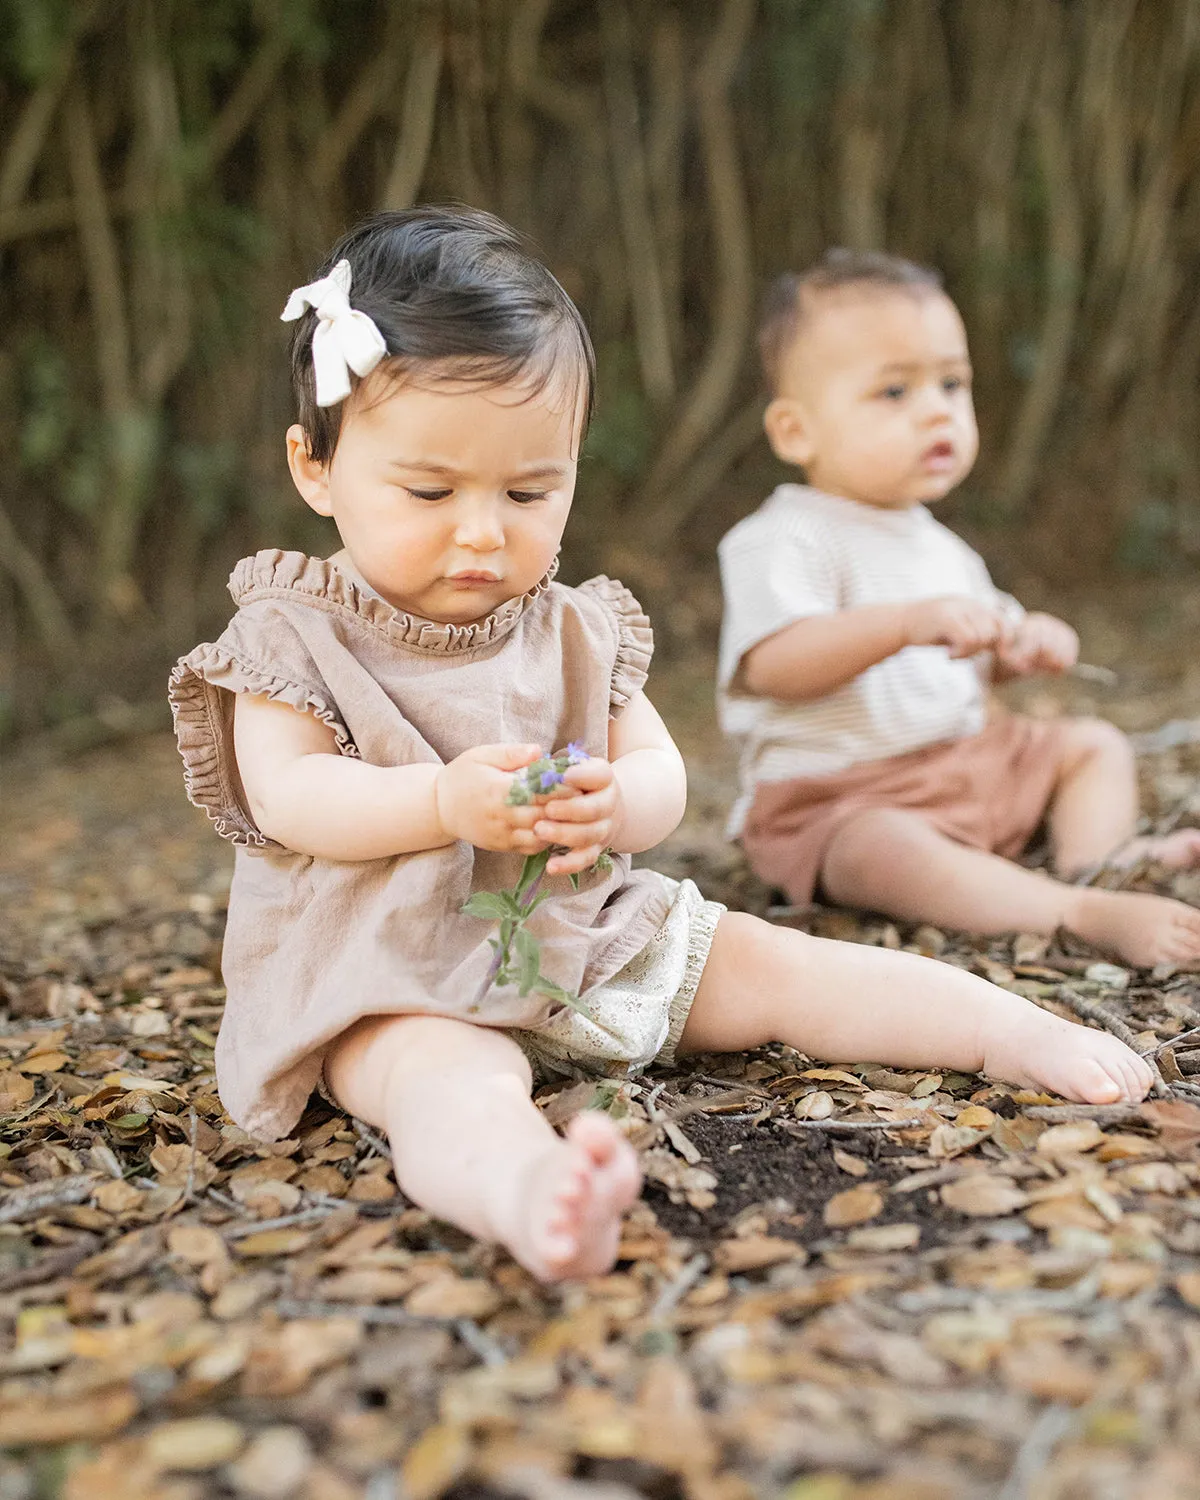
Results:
x,y
785,303
457,295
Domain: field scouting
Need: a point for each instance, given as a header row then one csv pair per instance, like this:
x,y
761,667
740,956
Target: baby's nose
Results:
x,y
480,528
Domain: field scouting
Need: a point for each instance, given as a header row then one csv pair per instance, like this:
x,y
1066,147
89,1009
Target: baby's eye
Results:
x,y
953,383
429,494
893,392
525,497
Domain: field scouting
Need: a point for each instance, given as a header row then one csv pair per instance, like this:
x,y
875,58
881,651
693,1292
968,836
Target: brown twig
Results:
x,y
847,1127
189,1188
36,1198
286,1221
1068,1114
376,1142
1174,1041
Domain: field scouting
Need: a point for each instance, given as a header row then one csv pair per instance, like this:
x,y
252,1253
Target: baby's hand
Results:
x,y
1040,643
582,816
963,624
472,799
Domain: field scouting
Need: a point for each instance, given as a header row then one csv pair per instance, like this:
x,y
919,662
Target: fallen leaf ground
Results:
x,y
841,1283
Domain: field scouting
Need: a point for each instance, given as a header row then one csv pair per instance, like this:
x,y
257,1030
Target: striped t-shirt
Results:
x,y
805,553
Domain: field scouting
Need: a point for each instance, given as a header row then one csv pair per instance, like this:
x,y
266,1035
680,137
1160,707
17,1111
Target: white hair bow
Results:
x,y
344,340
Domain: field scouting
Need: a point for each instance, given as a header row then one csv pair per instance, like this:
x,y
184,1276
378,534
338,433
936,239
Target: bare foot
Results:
x,y
1174,851
567,1222
1143,930
1038,1050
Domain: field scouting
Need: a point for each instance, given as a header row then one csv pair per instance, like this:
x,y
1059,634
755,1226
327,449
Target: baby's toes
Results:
x,y
1095,1083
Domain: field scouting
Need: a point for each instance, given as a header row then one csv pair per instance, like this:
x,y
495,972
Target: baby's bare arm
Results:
x,y
817,655
651,775
307,797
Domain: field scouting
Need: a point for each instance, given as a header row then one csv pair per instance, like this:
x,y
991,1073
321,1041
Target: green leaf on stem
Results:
x,y
529,956
492,905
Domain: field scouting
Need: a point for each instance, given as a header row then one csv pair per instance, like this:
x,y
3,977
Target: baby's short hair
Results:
x,y
784,306
457,295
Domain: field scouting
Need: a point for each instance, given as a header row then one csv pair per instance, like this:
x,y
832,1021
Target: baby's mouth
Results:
x,y
939,455
473,579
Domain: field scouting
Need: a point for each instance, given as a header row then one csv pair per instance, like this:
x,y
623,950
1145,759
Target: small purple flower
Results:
x,y
549,779
576,753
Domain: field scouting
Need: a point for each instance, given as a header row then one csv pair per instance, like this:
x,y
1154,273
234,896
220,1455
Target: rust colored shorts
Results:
x,y
989,791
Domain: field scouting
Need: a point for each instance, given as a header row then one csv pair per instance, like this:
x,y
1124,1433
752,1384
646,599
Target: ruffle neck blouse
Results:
x,y
313,945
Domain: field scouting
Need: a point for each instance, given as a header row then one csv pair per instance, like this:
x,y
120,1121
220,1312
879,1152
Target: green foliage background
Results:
x,y
170,169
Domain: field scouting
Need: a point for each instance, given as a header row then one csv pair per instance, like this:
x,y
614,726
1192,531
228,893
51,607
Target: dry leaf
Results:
x,y
194,1444
1178,1123
453,1296
1151,1177
118,1197
834,1075
1187,1284
274,1242
176,1165
676,1434
371,1187
854,1206
754,1253
1069,1140
975,1117
124,1258
15,1090
815,1106
1070,1210
33,1421
283,1363
43,1062
947,1141
274,1464
370,1284
848,1163
983,1196
1045,1371
883,1238
438,1457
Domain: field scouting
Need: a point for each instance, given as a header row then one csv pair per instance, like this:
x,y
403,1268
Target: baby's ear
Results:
x,y
310,477
787,432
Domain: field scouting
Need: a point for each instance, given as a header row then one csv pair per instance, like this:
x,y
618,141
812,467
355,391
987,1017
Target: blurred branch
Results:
x,y
252,89
1064,234
28,136
41,598
536,83
100,257
361,103
860,139
728,217
633,202
664,162
117,522
411,154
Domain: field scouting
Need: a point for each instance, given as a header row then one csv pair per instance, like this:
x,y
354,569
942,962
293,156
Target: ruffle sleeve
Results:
x,y
202,689
635,639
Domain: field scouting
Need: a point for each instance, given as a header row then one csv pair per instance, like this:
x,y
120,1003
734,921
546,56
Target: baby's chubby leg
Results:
x,y
1093,812
845,1002
470,1146
891,860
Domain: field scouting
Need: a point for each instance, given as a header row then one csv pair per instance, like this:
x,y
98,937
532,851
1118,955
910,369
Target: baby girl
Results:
x,y
356,732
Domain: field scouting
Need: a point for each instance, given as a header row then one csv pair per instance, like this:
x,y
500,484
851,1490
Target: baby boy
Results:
x,y
861,637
